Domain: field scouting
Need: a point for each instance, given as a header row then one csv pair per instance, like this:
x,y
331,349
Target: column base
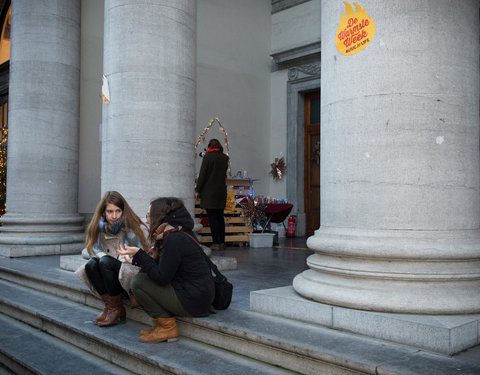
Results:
x,y
446,334
419,272
22,235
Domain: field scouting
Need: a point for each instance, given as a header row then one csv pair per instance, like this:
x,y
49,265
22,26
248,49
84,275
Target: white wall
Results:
x,y
90,105
233,80
278,130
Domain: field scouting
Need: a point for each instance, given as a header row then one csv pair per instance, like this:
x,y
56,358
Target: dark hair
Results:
x,y
160,208
215,143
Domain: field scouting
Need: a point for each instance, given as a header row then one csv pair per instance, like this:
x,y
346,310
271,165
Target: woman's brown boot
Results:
x,y
115,313
133,301
150,330
103,314
165,329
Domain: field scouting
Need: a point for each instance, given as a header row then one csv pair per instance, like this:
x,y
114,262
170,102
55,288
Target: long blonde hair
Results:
x,y
130,220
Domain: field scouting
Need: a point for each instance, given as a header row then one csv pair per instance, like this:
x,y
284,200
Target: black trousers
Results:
x,y
217,224
103,274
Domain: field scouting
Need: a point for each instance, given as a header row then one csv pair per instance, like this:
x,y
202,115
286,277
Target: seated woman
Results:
x,y
113,224
180,283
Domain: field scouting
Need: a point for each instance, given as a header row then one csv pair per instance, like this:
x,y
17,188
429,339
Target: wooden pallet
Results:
x,y
236,225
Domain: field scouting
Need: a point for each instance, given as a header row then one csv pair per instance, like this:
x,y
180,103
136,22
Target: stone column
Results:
x,y
42,162
148,127
400,163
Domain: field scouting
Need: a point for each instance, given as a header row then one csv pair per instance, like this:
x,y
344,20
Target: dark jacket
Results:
x,y
211,180
183,265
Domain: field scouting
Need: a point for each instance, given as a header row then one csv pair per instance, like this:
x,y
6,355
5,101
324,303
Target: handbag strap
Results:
x,y
209,261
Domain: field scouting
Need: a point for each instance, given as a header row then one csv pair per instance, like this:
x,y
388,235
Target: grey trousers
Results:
x,y
158,301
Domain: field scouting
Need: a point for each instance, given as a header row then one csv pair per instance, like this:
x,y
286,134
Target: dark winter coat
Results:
x,y
211,180
183,265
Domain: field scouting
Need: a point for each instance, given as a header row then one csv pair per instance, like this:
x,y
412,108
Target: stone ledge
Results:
x,y
72,262
446,334
279,5
29,250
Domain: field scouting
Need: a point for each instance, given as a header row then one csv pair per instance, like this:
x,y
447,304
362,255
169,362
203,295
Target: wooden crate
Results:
x,y
236,225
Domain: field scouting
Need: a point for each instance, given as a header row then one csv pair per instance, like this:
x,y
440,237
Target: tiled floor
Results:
x,y
264,268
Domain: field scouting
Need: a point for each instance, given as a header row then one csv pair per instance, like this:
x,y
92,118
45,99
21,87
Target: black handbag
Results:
x,y
223,288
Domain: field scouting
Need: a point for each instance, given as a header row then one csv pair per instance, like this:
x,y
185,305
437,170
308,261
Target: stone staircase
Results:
x,y
46,318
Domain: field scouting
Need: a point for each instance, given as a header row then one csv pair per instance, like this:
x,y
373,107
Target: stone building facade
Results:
x,y
398,171
247,64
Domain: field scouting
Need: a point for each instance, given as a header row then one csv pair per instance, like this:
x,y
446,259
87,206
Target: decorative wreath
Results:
x,y
316,153
278,168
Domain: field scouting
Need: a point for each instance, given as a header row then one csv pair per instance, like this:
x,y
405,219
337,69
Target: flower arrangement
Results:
x,y
254,210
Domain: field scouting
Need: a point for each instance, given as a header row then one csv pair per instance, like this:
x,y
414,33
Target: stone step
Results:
x,y
444,334
71,322
301,347
27,350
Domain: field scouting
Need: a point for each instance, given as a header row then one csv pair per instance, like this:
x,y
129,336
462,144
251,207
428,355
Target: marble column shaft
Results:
x,y
148,127
42,160
400,171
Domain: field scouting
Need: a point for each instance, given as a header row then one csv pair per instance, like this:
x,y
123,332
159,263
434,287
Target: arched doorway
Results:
x,y
312,162
303,80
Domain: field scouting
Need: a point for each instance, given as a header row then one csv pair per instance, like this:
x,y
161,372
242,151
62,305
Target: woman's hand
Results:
x,y
127,252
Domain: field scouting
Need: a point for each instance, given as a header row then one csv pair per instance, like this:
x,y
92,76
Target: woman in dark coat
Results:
x,y
212,190
180,282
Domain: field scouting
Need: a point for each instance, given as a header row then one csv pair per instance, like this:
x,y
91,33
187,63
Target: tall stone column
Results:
x,y
400,163
148,127
42,162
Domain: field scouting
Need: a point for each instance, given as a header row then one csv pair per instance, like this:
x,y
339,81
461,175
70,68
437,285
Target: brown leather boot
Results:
x,y
133,301
103,314
115,312
150,330
165,330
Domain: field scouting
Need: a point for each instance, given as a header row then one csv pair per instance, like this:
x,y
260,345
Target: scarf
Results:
x,y
212,150
164,229
113,228
160,233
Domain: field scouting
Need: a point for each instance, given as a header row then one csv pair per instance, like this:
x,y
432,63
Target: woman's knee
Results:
x,y
91,265
109,263
136,282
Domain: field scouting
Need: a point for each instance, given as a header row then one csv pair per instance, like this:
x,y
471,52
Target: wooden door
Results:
x,y
312,162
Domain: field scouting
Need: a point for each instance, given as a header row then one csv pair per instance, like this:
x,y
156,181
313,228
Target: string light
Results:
x,y
201,138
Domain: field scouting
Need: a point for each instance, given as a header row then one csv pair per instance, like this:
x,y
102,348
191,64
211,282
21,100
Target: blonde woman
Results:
x,y
113,224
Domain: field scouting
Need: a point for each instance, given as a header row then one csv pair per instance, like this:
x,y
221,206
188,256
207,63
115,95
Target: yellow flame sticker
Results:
x,y
355,31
